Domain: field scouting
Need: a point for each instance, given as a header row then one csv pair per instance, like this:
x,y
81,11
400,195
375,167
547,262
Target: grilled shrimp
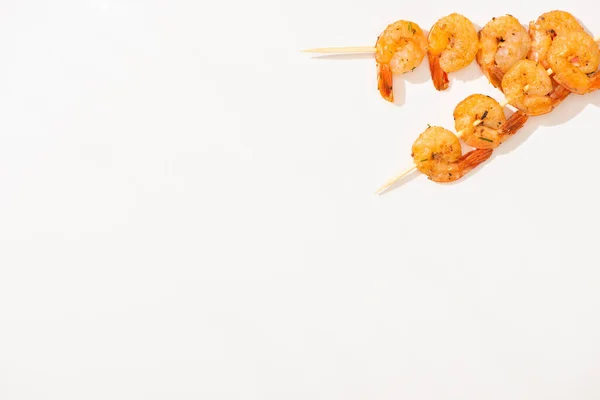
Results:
x,y
528,87
492,126
572,57
399,49
502,42
452,46
547,27
437,153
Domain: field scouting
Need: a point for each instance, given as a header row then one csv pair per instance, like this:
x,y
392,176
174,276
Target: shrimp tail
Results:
x,y
464,164
385,82
438,75
495,75
514,123
558,95
472,159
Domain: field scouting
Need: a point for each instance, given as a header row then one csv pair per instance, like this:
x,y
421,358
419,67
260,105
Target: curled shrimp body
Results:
x,y
492,126
547,27
399,49
528,87
502,42
572,57
453,45
437,153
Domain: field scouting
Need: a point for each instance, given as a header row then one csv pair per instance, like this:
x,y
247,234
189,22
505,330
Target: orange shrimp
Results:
x,y
453,45
528,87
399,49
437,153
481,122
547,27
572,57
502,42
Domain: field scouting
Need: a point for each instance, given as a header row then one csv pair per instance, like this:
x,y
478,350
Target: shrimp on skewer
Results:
x,y
528,88
399,49
452,46
572,57
472,112
437,153
502,42
547,27
481,122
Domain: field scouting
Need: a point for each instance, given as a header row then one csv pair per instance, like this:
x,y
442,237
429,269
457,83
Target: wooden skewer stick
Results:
x,y
341,50
396,179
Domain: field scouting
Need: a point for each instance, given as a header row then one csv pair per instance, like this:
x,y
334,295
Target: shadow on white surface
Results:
x,y
470,73
419,76
570,108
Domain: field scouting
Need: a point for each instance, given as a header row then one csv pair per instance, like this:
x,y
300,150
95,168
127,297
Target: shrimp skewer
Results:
x,y
515,124
401,175
452,46
437,153
480,122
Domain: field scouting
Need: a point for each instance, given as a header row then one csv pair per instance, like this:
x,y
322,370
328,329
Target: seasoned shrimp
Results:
x,y
528,87
399,49
502,42
437,153
452,46
572,56
482,123
547,27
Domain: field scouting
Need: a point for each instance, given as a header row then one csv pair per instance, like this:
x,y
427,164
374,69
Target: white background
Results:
x,y
187,212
